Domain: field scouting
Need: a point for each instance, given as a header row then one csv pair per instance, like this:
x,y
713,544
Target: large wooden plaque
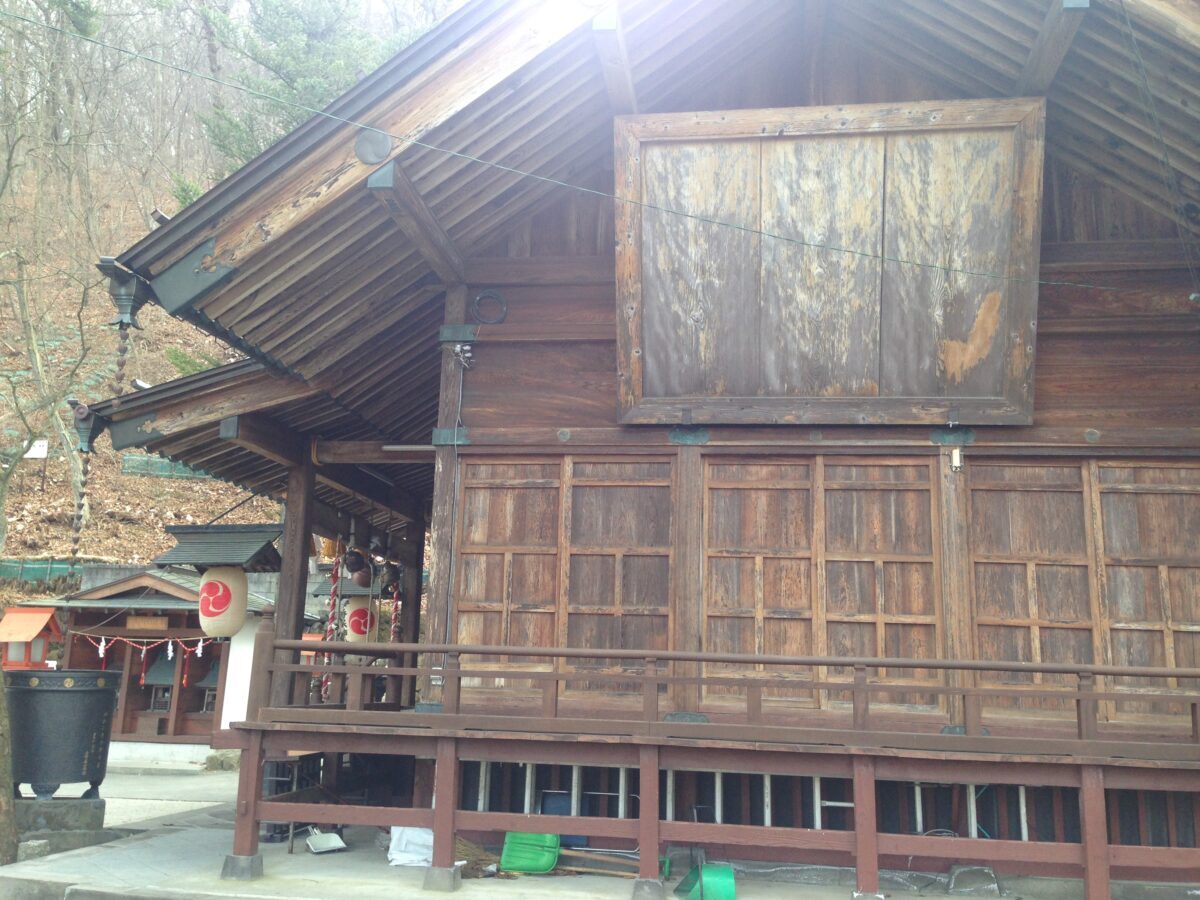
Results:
x,y
845,264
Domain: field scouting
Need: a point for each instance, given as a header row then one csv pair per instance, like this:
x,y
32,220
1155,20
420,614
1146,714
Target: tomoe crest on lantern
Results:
x,y
360,619
223,601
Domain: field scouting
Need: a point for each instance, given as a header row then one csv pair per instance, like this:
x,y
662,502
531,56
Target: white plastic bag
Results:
x,y
411,846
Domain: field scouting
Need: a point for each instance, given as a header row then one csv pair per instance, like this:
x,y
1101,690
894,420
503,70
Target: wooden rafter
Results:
x,y
1054,38
412,215
135,425
609,37
271,440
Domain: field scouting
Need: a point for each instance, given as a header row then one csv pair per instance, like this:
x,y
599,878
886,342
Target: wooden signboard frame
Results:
x,y
1019,122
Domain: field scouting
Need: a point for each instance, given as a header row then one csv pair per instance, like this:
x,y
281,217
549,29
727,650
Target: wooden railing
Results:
x,y
1174,737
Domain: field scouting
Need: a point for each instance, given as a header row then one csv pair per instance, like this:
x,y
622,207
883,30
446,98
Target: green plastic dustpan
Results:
x,y
711,881
532,854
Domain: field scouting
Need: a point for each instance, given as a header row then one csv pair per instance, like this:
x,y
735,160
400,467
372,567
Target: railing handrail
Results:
x,y
373,648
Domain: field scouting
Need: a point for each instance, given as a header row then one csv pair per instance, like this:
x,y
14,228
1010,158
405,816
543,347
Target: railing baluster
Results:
x,y
650,690
354,690
550,697
972,715
1085,707
861,699
1196,721
754,704
452,684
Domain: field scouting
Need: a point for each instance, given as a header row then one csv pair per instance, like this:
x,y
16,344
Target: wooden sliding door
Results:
x,y
822,556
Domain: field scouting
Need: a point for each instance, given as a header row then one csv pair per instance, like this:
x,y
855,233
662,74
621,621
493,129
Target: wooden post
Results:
x,y
451,684
245,823
122,711
1094,831
259,693
293,573
445,800
688,572
648,812
951,519
550,698
861,701
410,612
1086,708
650,690
866,840
176,692
440,607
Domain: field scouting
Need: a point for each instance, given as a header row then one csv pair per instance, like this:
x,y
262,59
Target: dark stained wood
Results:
x,y
445,497
293,575
1113,256
1094,831
273,441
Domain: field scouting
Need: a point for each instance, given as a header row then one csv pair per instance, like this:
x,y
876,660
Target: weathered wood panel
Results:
x,y
1032,561
701,297
893,281
949,207
820,308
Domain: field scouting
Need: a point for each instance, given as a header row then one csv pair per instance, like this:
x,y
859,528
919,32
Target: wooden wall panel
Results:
x,y
820,308
702,299
820,557
945,333
1032,571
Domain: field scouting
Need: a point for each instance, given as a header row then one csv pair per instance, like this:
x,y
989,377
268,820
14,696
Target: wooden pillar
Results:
x,y
445,802
950,515
866,839
688,570
176,691
245,822
440,607
410,613
120,726
648,803
1094,832
293,573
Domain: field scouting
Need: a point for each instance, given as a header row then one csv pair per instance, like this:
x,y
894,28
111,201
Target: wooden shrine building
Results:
x,y
802,403
184,696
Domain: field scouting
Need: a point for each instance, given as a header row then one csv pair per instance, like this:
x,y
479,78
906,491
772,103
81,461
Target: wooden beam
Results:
x,y
334,452
251,393
1178,19
609,37
274,441
412,215
1114,256
265,437
549,270
1050,47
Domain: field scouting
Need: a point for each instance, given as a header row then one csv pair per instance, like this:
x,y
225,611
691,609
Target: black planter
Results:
x,y
60,722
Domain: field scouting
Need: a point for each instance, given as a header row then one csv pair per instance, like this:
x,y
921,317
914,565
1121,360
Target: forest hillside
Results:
x,y
115,114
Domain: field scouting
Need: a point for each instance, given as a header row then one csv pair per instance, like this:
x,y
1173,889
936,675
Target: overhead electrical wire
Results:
x,y
458,154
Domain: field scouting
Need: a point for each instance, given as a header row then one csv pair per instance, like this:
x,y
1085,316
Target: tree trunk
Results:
x,y
8,813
